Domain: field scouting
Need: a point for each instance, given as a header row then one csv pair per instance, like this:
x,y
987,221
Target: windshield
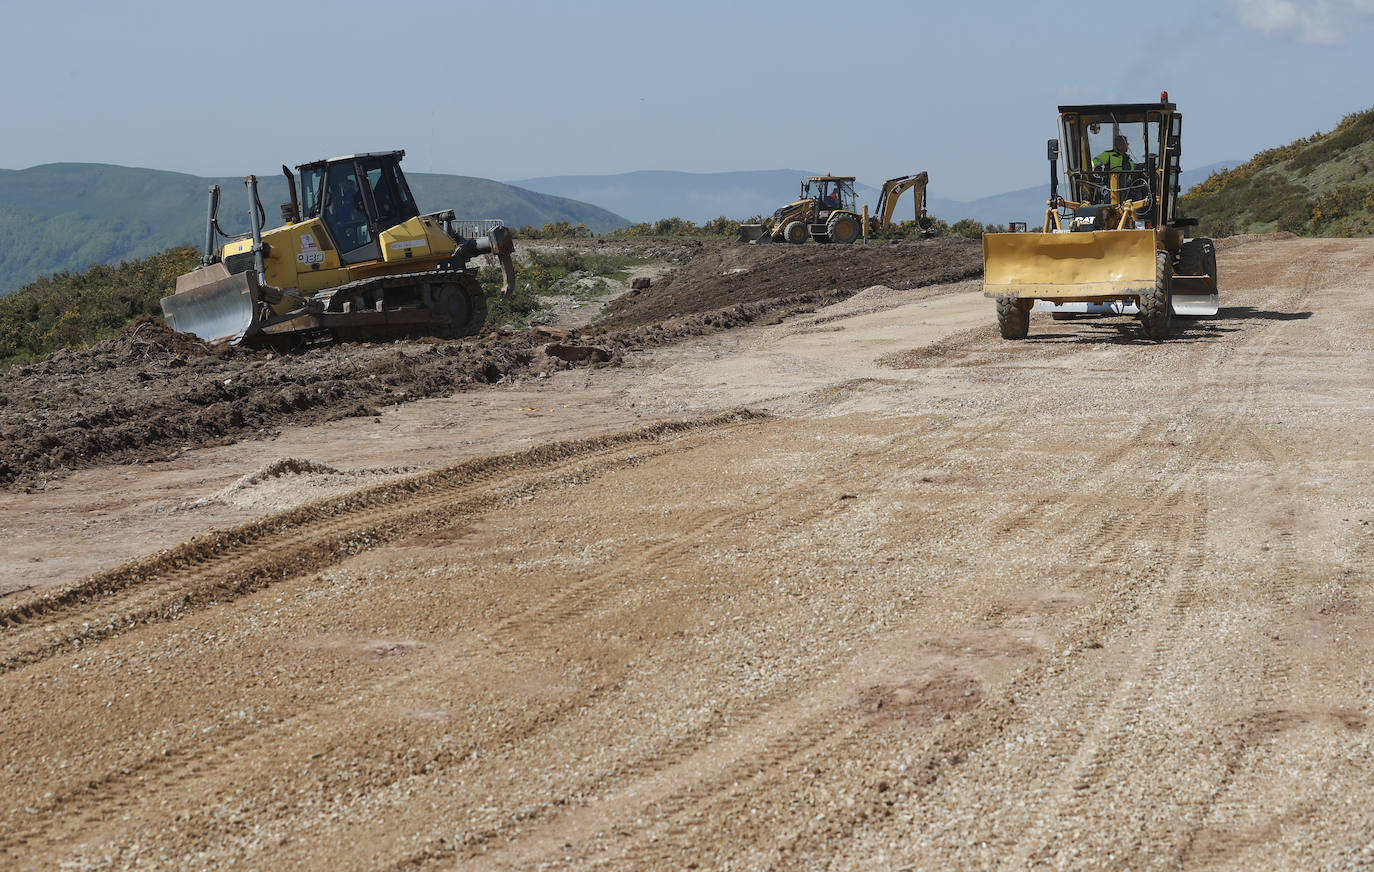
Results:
x,y
1100,145
389,192
832,192
310,191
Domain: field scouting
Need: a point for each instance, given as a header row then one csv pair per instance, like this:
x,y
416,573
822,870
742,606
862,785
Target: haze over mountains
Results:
x,y
647,196
68,217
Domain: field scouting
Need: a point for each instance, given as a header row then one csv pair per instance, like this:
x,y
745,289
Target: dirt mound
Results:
x,y
726,273
146,332
150,393
129,399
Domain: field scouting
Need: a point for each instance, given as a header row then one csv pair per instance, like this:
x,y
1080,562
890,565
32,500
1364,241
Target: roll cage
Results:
x,y
1140,185
833,192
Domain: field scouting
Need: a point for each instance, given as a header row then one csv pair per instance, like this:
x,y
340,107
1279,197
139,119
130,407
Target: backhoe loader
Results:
x,y
1115,245
354,260
827,211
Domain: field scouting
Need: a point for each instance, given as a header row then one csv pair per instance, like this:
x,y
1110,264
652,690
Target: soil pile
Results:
x,y
150,393
728,273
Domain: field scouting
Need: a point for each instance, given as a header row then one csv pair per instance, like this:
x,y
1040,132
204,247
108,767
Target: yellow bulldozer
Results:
x,y
1115,245
827,211
354,260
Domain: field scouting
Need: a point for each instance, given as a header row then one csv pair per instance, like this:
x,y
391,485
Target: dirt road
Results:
x,y
866,589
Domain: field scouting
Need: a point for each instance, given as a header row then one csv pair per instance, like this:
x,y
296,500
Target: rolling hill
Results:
x,y
1316,186
1028,204
67,217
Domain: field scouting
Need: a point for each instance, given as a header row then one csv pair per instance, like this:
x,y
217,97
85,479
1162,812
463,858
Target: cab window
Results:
x,y
389,193
311,181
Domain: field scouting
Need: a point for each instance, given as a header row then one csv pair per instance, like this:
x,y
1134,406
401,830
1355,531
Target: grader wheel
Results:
x,y
1156,311
1198,257
1013,319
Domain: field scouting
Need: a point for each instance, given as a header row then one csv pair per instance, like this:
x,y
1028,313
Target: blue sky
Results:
x,y
964,90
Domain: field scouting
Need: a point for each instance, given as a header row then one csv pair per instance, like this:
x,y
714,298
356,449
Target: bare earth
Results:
x,y
865,589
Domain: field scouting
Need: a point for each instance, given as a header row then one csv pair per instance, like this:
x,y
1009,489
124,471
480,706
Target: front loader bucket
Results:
x,y
754,233
1087,267
214,305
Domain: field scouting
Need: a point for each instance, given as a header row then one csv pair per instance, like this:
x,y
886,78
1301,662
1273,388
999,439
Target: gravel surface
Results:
x,y
930,600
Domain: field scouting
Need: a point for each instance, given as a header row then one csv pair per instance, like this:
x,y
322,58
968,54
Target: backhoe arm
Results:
x,y
892,191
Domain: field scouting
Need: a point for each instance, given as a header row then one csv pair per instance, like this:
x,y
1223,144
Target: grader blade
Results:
x,y
1195,305
1087,266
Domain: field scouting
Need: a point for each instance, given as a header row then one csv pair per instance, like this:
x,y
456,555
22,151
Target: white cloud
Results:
x,y
1316,22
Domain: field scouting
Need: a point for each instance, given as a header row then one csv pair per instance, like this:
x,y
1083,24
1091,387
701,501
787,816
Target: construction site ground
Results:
x,y
807,569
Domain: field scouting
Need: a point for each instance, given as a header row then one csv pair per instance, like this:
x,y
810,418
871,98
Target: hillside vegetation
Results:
x,y
69,310
75,310
1316,186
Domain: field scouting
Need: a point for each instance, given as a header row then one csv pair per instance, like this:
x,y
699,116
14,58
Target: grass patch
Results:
x,y
564,272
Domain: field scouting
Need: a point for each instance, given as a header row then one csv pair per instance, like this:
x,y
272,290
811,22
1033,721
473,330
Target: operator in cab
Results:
x,y
1116,158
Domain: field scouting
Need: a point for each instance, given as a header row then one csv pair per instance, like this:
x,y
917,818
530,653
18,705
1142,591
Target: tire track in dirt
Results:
x,y
253,556
1183,531
814,735
122,792
1196,844
206,576
1183,517
742,714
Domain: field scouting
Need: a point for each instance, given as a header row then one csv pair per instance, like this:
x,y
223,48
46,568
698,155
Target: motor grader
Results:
x,y
1115,244
354,260
826,211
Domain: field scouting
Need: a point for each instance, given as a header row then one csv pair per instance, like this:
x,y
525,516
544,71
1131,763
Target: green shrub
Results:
x,y
70,310
968,227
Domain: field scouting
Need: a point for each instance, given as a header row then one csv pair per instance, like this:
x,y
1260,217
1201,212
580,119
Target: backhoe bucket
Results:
x,y
1081,266
754,233
214,305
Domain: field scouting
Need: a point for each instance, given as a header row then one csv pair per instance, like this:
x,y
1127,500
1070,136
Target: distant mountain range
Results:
x,y
67,217
650,195
653,194
1028,204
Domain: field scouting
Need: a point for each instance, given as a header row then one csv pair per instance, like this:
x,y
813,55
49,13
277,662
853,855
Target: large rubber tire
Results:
x,y
1156,311
1197,257
795,232
1013,321
843,229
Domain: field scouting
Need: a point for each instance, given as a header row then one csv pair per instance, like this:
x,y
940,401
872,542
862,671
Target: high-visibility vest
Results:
x,y
1114,160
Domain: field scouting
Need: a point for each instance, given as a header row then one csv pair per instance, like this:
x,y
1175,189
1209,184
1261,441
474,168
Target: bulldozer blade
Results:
x,y
1087,266
214,305
754,233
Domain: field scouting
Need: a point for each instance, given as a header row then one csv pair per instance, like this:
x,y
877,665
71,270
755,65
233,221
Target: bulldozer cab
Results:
x,y
1121,155
357,197
830,193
